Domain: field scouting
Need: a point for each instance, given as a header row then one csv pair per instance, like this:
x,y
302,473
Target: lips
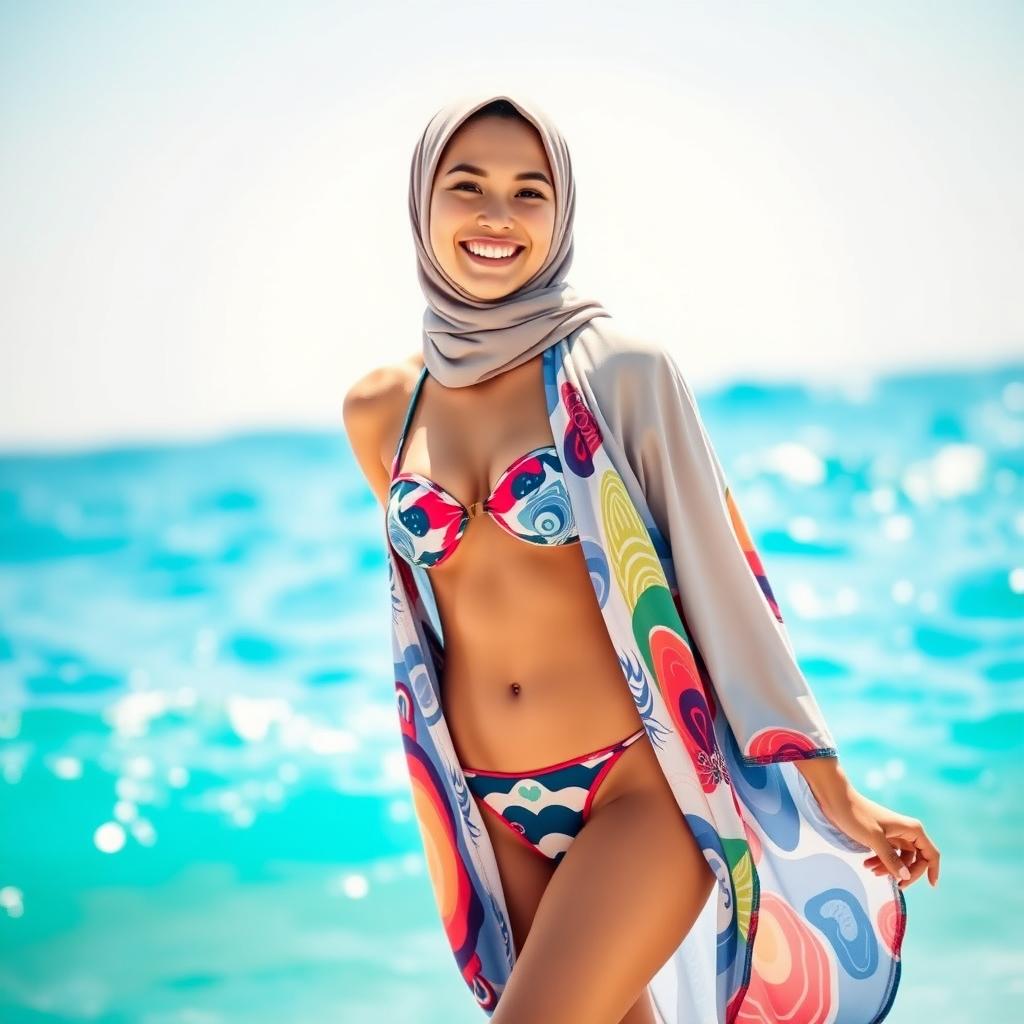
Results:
x,y
488,261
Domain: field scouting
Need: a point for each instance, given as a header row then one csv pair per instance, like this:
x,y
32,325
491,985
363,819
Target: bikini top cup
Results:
x,y
425,522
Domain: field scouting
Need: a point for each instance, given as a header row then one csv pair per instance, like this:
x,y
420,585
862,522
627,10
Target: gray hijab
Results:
x,y
467,340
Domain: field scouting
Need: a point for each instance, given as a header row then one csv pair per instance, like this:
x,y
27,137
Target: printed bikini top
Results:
x,y
425,522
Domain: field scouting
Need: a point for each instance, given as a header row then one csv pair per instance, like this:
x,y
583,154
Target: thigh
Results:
x,y
524,878
524,875
620,903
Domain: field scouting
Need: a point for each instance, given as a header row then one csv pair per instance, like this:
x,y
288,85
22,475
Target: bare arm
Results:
x,y
369,412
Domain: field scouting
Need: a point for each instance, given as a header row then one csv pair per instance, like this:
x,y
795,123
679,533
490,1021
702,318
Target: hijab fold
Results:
x,y
465,339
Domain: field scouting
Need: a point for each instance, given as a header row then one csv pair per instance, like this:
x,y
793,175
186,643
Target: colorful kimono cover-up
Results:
x,y
797,930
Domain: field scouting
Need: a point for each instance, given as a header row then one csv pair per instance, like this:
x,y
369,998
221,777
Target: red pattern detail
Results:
x,y
771,745
892,922
583,435
676,672
804,994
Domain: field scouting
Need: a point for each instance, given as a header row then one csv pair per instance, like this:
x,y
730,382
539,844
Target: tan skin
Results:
x,y
551,687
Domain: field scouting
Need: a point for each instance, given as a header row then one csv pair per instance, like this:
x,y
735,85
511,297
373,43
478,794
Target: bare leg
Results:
x,y
524,875
642,1011
618,906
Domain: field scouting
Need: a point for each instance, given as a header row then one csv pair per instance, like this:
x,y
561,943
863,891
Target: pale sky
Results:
x,y
205,213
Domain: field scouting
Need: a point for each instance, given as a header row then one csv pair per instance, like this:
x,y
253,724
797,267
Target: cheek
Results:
x,y
445,222
541,225
445,209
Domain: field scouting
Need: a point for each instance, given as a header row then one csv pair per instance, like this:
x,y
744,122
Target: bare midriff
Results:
x,y
531,677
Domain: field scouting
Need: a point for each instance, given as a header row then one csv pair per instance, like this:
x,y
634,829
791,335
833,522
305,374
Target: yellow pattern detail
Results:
x,y
743,885
630,551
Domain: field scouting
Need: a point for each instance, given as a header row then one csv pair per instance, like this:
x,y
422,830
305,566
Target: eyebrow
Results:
x,y
480,172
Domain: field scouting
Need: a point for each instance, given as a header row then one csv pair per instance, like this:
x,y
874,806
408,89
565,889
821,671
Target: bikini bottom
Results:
x,y
547,807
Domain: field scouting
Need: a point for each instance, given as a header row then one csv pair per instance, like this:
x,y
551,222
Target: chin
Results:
x,y
497,289
489,296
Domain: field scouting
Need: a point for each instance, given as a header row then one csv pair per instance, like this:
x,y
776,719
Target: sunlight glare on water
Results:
x,y
204,801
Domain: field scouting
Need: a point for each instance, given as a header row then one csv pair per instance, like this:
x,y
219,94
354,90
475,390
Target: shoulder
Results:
x,y
375,401
373,409
374,393
618,362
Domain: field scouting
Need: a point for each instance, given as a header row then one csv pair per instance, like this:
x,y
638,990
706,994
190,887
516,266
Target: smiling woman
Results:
x,y
610,624
479,202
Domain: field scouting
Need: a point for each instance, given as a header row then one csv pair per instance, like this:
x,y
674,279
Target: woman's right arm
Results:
x,y
369,410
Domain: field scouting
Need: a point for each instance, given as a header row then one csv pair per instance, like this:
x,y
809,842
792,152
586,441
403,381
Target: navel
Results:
x,y
515,688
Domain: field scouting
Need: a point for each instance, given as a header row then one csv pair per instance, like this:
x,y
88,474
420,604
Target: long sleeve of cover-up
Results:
x,y
727,603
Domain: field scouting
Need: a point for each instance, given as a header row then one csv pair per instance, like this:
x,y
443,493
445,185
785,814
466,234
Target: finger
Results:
x,y
903,841
916,871
905,848
888,856
901,847
925,851
921,855
909,860
929,854
913,861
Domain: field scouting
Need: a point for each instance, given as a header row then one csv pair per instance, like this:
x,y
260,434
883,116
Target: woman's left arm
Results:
x,y
901,844
727,607
726,602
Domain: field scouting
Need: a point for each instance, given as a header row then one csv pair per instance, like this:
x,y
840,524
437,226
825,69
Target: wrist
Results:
x,y
825,777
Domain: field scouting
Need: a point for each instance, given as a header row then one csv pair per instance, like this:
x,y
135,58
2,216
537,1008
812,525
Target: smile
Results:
x,y
493,261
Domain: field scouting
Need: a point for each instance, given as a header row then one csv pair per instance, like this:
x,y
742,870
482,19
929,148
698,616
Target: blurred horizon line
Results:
x,y
857,388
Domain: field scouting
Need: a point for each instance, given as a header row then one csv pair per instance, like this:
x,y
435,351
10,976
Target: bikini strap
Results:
x,y
408,417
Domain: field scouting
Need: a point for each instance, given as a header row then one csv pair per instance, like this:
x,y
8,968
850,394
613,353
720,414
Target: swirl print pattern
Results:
x,y
803,933
529,501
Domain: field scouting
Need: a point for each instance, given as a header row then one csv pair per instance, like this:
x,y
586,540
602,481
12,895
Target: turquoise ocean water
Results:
x,y
204,811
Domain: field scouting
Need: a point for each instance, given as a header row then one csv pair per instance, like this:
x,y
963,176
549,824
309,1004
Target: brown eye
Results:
x,y
473,184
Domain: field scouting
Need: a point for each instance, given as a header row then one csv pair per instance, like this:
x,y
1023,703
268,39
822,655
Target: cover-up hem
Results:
x,y
790,755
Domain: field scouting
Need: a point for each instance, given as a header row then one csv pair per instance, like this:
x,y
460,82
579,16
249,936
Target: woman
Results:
x,y
486,451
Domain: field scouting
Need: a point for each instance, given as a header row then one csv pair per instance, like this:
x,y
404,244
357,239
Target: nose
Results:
x,y
495,216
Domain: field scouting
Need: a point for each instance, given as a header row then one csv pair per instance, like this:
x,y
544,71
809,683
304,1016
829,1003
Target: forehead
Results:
x,y
496,143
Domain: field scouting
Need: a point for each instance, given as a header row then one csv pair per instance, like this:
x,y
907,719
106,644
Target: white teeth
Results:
x,y
491,251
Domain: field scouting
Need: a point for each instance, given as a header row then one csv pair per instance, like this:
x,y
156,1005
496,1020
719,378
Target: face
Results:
x,y
494,187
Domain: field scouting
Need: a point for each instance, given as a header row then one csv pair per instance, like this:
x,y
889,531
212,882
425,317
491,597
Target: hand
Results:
x,y
916,850
900,842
